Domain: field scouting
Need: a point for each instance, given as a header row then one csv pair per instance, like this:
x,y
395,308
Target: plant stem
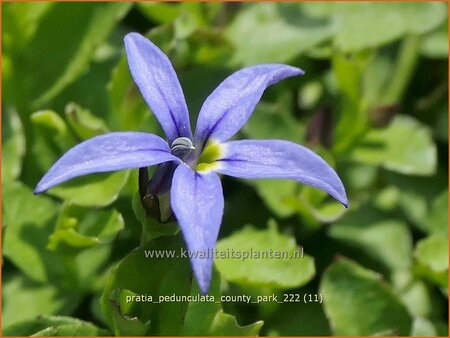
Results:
x,y
403,70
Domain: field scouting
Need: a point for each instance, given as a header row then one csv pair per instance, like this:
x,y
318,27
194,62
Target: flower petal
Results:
x,y
156,79
109,152
279,159
230,105
197,201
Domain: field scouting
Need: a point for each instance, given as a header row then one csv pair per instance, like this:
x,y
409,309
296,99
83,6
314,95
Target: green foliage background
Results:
x,y
373,103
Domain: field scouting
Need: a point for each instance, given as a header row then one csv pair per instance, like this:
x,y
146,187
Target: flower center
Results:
x,y
210,154
181,147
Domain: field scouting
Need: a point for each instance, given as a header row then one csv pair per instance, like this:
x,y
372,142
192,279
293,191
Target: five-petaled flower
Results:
x,y
192,163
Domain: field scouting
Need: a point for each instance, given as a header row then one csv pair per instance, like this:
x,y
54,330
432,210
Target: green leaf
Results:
x,y
376,76
151,228
417,195
358,25
79,228
357,302
402,71
435,43
277,195
387,198
327,212
65,43
316,207
263,258
124,323
13,147
24,301
417,295
310,94
89,269
272,121
279,32
423,327
83,122
196,91
437,222
51,45
394,149
28,221
388,241
54,326
441,124
159,11
128,109
51,138
359,177
95,190
21,22
347,72
224,324
78,329
189,20
94,80
298,319
241,215
9,91
153,277
433,252
51,121
207,318
286,197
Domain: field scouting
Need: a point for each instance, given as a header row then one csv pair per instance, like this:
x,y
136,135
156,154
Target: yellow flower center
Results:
x,y
210,154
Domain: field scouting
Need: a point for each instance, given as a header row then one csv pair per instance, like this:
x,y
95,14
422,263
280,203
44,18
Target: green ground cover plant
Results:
x,y
79,259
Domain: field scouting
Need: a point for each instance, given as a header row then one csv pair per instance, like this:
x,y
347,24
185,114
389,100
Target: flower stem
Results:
x,y
403,70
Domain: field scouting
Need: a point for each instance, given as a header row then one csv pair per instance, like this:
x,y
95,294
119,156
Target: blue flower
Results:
x,y
193,163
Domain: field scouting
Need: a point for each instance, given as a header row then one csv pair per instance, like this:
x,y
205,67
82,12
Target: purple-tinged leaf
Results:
x,y
155,77
108,152
230,105
197,201
280,159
